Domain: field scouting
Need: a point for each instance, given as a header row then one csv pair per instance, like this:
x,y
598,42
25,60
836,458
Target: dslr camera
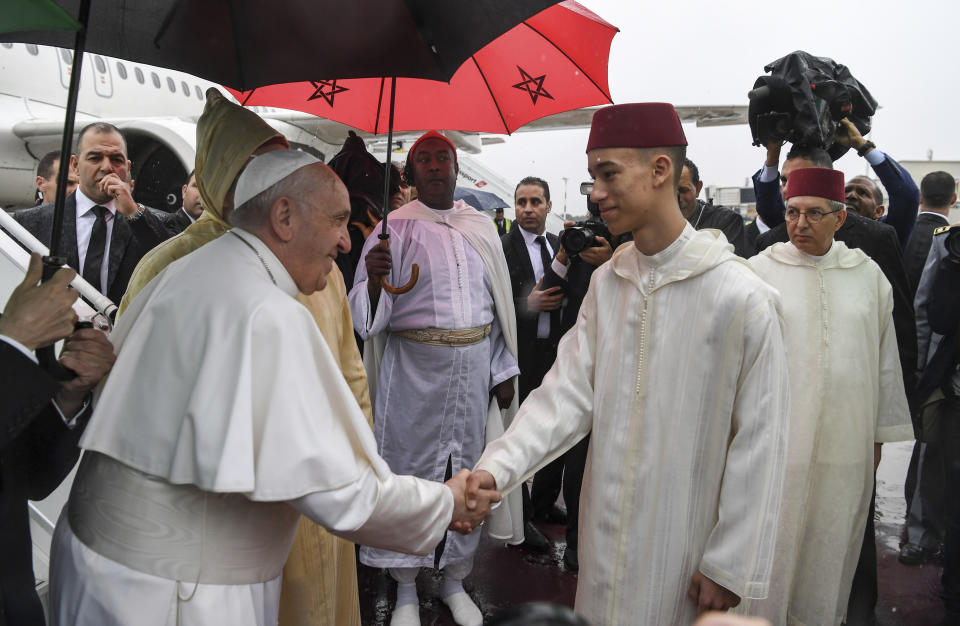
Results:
x,y
583,235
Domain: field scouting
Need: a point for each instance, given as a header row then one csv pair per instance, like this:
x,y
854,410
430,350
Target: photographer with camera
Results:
x,y
862,194
937,399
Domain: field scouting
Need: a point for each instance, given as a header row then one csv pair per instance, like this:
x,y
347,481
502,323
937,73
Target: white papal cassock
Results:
x,y
847,390
432,403
676,366
225,416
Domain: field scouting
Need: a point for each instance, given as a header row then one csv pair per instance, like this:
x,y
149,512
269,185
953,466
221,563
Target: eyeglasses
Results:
x,y
813,215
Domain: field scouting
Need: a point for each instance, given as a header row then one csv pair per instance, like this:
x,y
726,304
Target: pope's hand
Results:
x,y
38,315
709,596
469,513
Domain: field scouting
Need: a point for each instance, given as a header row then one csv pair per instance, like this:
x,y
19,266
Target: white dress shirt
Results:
x,y
85,220
533,251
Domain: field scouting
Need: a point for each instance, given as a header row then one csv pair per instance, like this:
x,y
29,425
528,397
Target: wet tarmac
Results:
x,y
504,576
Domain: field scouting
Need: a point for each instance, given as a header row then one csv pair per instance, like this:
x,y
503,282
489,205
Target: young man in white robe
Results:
x,y
676,368
848,398
225,419
448,363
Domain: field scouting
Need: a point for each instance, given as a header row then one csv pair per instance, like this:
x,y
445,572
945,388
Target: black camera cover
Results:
x,y
803,100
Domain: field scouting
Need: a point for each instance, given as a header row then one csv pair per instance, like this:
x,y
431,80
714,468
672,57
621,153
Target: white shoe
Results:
x,y
406,615
465,612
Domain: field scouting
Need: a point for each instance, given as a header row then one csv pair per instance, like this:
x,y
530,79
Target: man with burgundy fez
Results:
x,y
676,367
847,398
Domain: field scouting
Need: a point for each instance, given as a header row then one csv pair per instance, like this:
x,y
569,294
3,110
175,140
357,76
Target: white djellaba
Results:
x,y
676,367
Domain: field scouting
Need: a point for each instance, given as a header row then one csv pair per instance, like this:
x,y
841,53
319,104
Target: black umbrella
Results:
x,y
246,44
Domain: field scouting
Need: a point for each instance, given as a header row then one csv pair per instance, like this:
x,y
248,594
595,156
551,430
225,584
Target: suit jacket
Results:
x,y
129,241
531,360
724,219
177,222
37,451
750,234
915,254
879,242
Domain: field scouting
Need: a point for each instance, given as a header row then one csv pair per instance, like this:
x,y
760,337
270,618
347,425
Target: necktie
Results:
x,y
95,248
544,255
545,261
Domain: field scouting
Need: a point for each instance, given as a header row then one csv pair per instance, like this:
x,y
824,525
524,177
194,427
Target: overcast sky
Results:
x,y
710,53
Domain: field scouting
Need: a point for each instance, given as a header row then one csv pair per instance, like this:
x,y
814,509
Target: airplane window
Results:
x,y
155,79
185,87
101,66
32,49
122,70
198,92
66,55
171,85
139,74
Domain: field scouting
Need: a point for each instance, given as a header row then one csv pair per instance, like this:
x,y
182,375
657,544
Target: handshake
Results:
x,y
473,494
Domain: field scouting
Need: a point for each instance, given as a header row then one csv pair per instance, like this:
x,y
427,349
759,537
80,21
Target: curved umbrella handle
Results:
x,y
414,275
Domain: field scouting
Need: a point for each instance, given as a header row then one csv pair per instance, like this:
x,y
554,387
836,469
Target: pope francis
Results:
x,y
201,458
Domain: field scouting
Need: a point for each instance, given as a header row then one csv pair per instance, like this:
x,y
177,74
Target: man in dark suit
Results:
x,y
191,209
105,231
924,484
40,421
529,250
937,195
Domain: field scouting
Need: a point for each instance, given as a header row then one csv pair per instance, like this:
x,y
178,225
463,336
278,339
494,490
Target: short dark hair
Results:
x,y
533,180
101,127
694,172
677,154
45,167
817,156
937,189
189,176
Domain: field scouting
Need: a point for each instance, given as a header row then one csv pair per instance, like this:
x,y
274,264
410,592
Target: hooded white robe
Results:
x,y
223,382
847,390
676,366
432,403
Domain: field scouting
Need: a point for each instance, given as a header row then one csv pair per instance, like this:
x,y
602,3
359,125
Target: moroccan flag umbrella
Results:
x,y
552,62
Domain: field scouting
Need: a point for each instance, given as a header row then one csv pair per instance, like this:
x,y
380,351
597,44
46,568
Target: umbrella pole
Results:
x,y
384,235
47,356
71,110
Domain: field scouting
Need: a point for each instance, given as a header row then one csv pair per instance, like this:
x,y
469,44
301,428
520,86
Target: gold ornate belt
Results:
x,y
445,337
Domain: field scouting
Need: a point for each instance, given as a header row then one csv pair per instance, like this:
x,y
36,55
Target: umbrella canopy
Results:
x,y
246,44
552,62
25,15
480,200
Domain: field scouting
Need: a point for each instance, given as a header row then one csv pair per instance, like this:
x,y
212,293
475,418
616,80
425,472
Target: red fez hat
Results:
x,y
819,182
432,134
637,125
